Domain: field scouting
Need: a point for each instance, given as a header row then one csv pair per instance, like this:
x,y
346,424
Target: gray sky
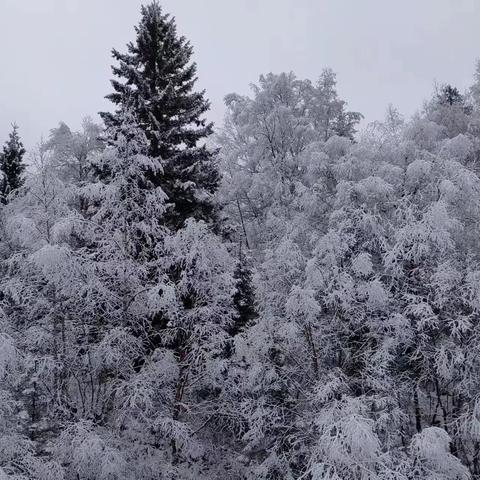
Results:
x,y
55,54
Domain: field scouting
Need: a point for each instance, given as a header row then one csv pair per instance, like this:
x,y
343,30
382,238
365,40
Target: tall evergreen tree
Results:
x,y
192,304
11,164
157,77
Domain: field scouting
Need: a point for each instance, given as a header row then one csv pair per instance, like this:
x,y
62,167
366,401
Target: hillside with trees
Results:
x,y
288,297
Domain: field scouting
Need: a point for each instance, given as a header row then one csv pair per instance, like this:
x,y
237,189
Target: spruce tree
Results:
x,y
190,269
11,165
157,77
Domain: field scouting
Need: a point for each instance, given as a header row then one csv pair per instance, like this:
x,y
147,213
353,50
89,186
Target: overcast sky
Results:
x,y
55,54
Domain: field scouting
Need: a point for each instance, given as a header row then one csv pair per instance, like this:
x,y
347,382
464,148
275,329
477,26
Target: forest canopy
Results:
x,y
285,297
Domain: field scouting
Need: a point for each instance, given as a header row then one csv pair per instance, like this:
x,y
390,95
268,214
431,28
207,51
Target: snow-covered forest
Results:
x,y
286,297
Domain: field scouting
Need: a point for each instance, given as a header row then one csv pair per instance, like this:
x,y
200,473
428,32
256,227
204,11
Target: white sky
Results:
x,y
55,54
